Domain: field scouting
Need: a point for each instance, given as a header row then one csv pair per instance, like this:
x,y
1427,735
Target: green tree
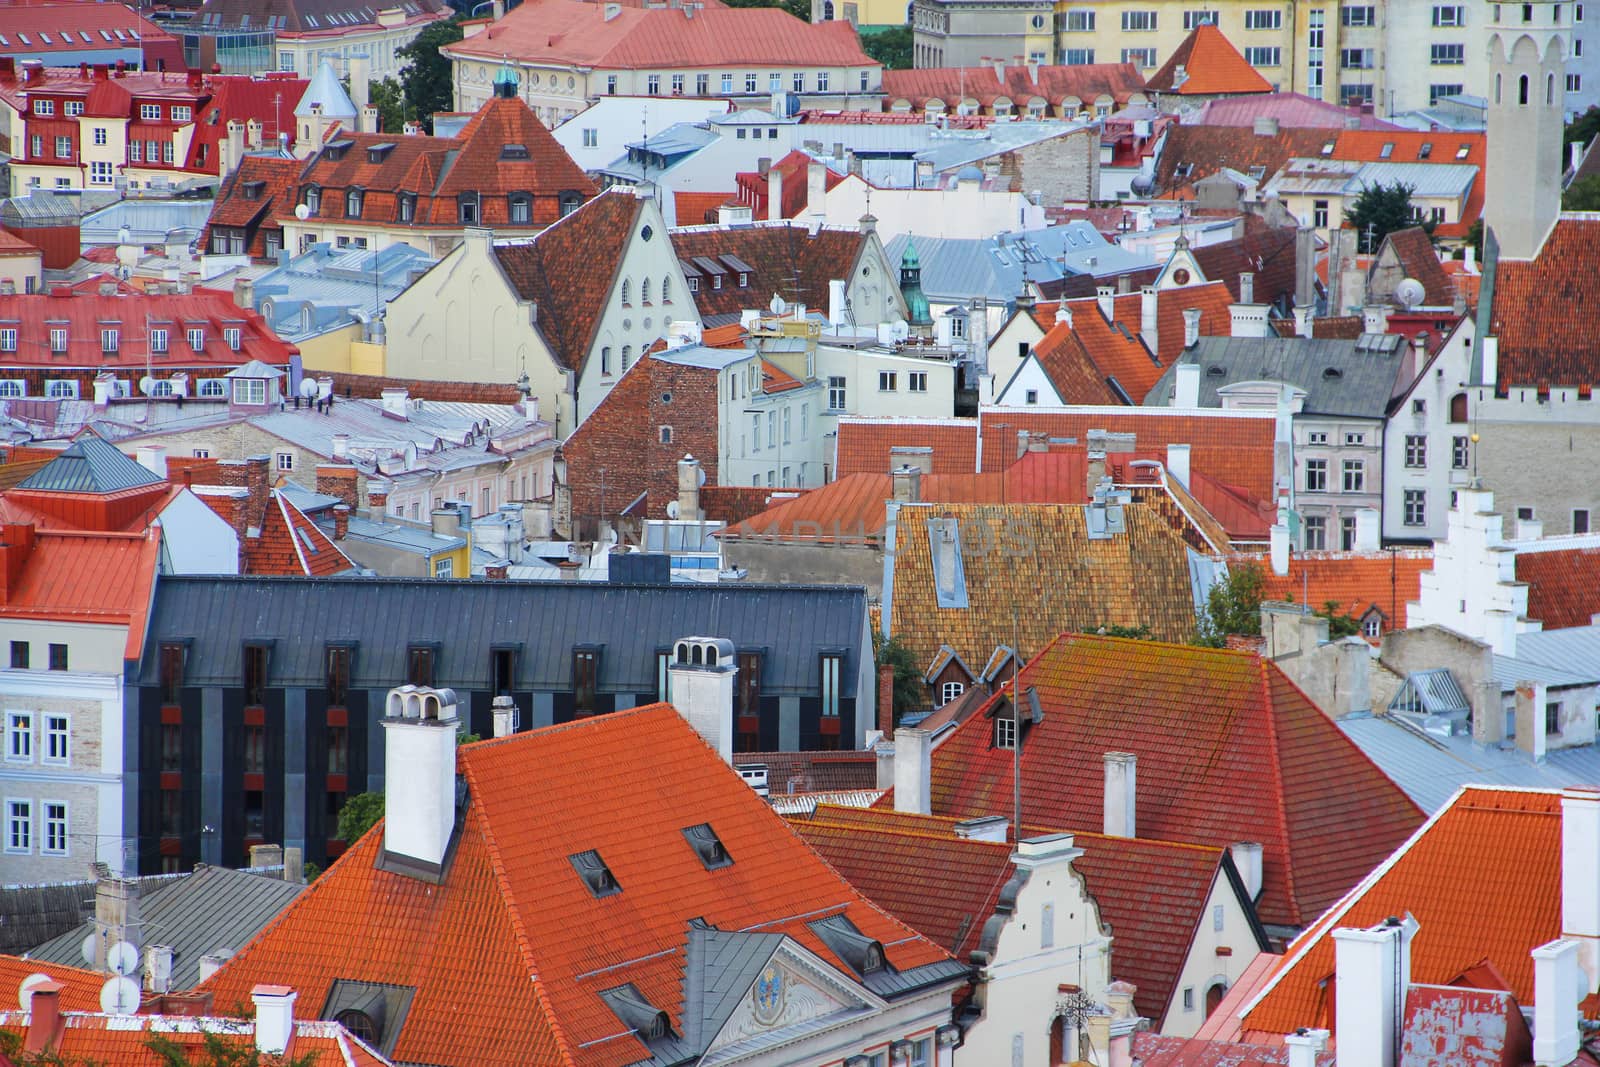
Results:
x,y
890,47
800,9
909,694
1138,633
358,815
1232,607
389,97
1379,211
425,78
1583,129
1339,623
217,1051
1583,194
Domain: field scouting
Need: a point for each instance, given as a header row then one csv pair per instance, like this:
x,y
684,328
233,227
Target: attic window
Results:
x,y
1258,172
595,874
1327,148
1183,170
420,660
253,190
708,846
360,1024
1215,371
514,151
379,152
1463,150
1426,150
1387,150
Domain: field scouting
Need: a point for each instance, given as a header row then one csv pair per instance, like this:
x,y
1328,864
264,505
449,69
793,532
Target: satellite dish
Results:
x,y
700,477
28,985
672,509
145,384
302,212
308,388
119,996
122,958
1410,293
91,943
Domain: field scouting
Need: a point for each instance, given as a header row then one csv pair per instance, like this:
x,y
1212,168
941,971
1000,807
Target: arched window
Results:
x,y
1497,88
212,387
644,291
827,10
1549,88
12,388
313,199
666,289
627,291
627,356
359,1024
160,388
352,203
520,207
1458,408
1522,90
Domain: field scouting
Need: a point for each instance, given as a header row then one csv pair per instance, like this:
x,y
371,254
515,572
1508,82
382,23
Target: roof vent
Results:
x,y
514,151
1332,373
708,846
637,1013
595,874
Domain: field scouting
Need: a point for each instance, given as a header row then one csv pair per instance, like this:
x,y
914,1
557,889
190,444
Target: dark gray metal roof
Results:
x,y
466,618
90,465
208,911
720,966
1340,377
33,914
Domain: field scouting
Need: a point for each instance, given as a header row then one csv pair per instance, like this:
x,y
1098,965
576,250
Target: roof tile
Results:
x,y
1207,64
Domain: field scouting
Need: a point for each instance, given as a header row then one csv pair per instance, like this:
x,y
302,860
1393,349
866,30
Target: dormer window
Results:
x,y
408,207
570,202
519,208
420,662
197,338
253,190
708,846
352,203
595,874
379,152
232,337
467,209
313,199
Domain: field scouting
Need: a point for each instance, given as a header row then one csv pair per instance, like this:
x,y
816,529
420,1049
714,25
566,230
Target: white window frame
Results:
x,y
8,338
1005,732
13,388
48,825
950,691
887,380
250,391
57,728
18,810
917,381
61,388
1270,18
283,461
19,736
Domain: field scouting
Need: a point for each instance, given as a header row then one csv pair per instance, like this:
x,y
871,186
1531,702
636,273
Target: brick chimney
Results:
x,y
886,700
377,498
341,521
45,1024
340,480
257,483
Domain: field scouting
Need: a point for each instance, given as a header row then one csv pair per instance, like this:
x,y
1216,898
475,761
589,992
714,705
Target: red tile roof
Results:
x,y
1232,448
1207,64
133,315
571,32
1418,259
1356,582
502,973
12,245
754,187
1151,894
1510,839
568,270
81,988
865,444
1563,585
1416,146
80,576
1205,150
814,772
1121,352
1073,372
252,198
1086,85
788,260
1540,345
694,209
1201,721
290,543
92,1037
1160,1050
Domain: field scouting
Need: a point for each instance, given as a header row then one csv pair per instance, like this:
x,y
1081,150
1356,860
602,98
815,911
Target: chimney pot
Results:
x,y
700,680
906,483
419,796
1191,327
44,1022
341,521
506,716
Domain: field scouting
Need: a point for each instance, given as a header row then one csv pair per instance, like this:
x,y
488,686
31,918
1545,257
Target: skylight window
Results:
x,y
1426,150
595,874
44,38
1387,150
106,35
708,846
1461,153
1327,148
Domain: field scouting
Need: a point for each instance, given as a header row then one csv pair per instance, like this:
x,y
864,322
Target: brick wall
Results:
x,y
1062,168
371,387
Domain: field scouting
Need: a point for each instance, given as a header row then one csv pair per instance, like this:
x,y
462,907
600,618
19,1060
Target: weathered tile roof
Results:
x,y
1204,150
1075,374
1085,83
82,988
1414,249
866,444
1563,585
1544,313
789,773
1511,841
132,315
1151,894
1032,572
1201,721
787,259
508,957
569,269
1160,1050
1206,64
1290,109
1355,582
290,543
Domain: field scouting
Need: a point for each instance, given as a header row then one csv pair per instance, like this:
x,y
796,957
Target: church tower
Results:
x,y
1528,45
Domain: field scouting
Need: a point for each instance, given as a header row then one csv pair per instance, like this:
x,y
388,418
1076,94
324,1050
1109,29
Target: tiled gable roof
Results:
x,y
252,198
1151,894
787,259
1538,345
510,954
1201,151
1414,250
1019,562
81,988
814,772
290,543
1202,723
1355,582
1510,839
866,444
1074,373
478,165
1563,585
1418,146
310,16
569,269
1086,84
1206,64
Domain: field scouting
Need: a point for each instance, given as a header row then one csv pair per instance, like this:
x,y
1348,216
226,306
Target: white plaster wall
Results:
x,y
195,539
1434,388
967,211
617,121
1029,377
1203,966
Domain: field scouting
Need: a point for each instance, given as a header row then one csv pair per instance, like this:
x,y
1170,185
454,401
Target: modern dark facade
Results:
x,y
253,714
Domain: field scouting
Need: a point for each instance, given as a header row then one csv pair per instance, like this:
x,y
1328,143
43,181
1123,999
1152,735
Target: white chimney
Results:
x,y
1247,288
1246,857
1064,314
700,682
1372,970
1580,874
1105,296
1374,319
1280,549
397,403
274,1018
984,828
1187,379
1528,529
816,191
689,479
1491,361
1558,985
419,796
774,194
1178,464
1247,320
1149,320
341,446
212,962
913,770
152,458
1302,321
1121,790
1367,530
836,301
360,69
1305,1046
1191,327
504,710
158,968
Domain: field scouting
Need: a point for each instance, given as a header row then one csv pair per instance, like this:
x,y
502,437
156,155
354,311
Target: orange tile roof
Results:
x,y
1074,373
1510,841
1544,313
81,988
289,543
82,576
509,955
1414,146
1210,66
1356,582
124,1040
1151,894
1563,585
694,209
1207,149
1201,721
1085,83
865,444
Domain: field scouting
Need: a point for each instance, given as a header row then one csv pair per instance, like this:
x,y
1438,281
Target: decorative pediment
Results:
x,y
1181,269
794,992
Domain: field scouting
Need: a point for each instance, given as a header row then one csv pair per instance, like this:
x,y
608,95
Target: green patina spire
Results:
x,y
911,287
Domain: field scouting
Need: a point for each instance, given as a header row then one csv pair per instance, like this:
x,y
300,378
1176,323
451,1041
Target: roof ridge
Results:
x,y
904,831
1275,762
558,727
